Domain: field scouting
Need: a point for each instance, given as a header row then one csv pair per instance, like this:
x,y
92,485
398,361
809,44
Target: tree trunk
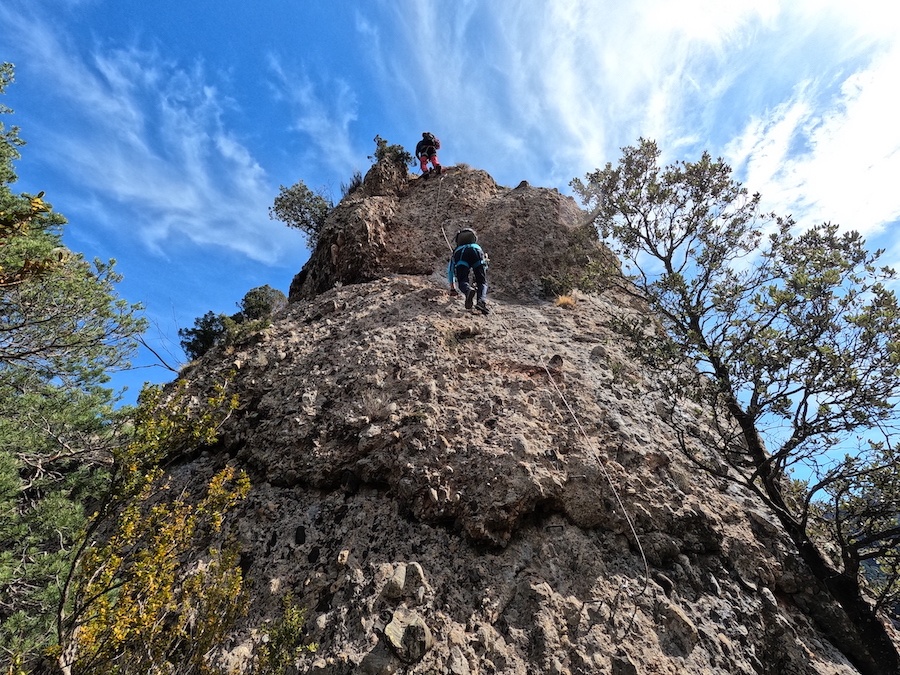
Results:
x,y
871,649
873,652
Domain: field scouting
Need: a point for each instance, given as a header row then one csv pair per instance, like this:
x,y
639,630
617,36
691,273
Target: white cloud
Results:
x,y
551,91
544,93
322,113
166,157
833,161
556,89
147,135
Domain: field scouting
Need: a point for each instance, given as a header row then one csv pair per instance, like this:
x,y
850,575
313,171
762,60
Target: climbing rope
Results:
x,y
612,486
606,475
590,444
436,204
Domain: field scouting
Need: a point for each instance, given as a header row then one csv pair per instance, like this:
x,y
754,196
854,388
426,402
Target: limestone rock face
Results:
x,y
452,493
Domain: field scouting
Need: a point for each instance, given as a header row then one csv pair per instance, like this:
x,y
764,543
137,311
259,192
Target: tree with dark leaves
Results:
x,y
796,337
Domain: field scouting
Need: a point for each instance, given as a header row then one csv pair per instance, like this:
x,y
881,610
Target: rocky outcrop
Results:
x,y
452,493
530,235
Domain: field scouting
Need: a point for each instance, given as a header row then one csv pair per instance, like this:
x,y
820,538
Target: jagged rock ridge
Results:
x,y
422,485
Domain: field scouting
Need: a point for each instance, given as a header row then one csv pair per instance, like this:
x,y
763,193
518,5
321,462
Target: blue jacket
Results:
x,y
470,255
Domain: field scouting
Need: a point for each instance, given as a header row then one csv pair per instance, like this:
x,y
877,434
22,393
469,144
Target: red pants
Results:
x,y
424,159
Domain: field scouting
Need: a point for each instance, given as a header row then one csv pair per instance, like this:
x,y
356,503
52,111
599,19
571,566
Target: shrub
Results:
x,y
257,308
584,268
285,640
154,585
390,154
301,208
355,183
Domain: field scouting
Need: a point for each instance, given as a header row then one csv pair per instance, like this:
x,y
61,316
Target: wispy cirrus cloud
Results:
x,y
556,89
322,112
143,137
542,93
830,159
798,96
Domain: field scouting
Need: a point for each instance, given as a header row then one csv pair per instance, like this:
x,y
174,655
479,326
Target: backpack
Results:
x,y
432,139
466,236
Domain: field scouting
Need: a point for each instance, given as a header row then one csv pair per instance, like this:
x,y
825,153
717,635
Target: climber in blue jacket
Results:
x,y
468,257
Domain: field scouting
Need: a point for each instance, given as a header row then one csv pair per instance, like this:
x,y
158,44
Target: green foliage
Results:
x,y
262,302
66,323
301,208
584,268
147,613
154,585
591,276
41,521
22,215
257,308
59,316
22,259
99,564
391,154
208,332
861,504
9,138
80,462
62,329
798,339
284,640
355,183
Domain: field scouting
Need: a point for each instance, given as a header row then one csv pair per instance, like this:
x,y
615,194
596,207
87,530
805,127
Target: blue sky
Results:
x,y
163,130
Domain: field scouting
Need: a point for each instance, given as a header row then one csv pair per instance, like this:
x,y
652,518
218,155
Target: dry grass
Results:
x,y
566,301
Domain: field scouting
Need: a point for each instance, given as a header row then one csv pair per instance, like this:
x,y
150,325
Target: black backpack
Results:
x,y
466,236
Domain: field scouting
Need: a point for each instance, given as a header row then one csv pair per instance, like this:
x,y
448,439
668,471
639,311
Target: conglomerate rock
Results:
x,y
452,493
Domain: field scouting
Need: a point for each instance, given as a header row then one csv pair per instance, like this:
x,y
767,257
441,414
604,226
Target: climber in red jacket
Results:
x,y
426,151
